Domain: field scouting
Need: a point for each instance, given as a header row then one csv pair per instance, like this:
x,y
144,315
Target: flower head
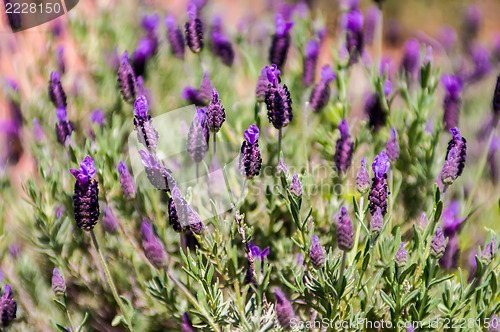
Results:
x,y
215,113
194,30
373,16
250,160
401,257
363,178
344,148
379,190
280,42
64,128
56,91
284,310
309,62
153,248
257,253
262,83
282,167
316,253
159,176
58,283
345,230
392,146
197,139
98,117
377,221
296,186
127,181
175,37
455,158
8,307
127,80
109,221
438,244
411,58
86,197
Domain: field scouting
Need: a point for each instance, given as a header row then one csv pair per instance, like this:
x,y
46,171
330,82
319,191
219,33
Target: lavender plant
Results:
x,y
150,230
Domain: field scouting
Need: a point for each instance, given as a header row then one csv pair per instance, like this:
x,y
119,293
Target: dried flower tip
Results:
x,y
58,283
316,253
345,231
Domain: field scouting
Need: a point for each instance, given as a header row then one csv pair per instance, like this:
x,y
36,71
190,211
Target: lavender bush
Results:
x,y
372,205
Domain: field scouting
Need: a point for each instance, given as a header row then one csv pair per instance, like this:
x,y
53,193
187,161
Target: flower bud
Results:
x,y
58,284
438,244
401,257
296,186
316,253
345,230
284,310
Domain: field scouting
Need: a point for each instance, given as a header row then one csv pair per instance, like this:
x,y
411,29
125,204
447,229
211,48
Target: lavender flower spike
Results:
x,y
86,197
221,46
376,114
197,139
280,42
372,22
159,176
296,186
175,37
206,89
56,91
8,307
127,80
146,133
345,231
438,244
363,178
411,59
64,128
452,101
309,62
250,160
278,100
320,94
353,25
392,146
316,253
401,257
153,249
344,148
215,113
284,310
127,181
194,30
455,158
379,192
177,211
58,284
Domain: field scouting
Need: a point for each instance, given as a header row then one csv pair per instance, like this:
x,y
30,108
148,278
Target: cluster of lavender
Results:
x,y
391,249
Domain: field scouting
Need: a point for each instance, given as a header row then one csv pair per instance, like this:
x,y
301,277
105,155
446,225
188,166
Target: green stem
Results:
x,y
341,275
111,284
68,315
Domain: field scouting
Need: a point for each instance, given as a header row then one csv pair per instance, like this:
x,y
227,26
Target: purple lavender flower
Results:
x,y
344,148
159,176
194,221
278,100
262,83
455,158
487,254
345,230
392,146
377,222
187,325
58,283
127,181
215,113
379,192
150,24
309,62
109,221
64,128
175,37
447,36
197,139
177,212
320,94
194,30
470,25
353,25
56,91
37,131
153,248
127,79
496,99
282,167
250,160
284,310
296,186
438,244
411,59
377,117
452,101
97,116
451,254
363,178
257,253
316,253
146,133
481,57
280,42
221,46
86,197
387,87
144,51
8,307
193,96
401,257
373,16
206,88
